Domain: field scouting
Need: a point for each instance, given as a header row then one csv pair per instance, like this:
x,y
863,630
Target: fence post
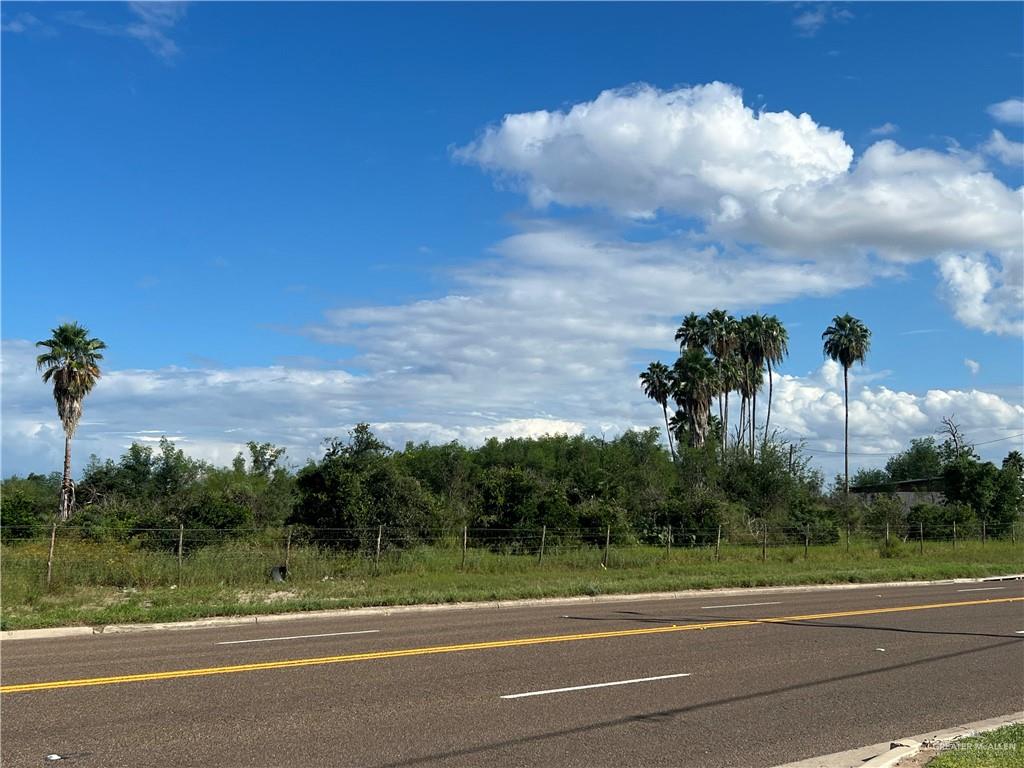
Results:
x,y
886,532
764,544
668,545
718,544
288,549
1013,532
847,538
954,534
376,556
807,539
543,536
181,545
49,559
465,539
920,536
607,546
984,533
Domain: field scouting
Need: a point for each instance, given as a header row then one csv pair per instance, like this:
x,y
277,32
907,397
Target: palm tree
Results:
x,y
71,362
776,347
696,383
752,332
846,341
692,332
656,383
721,335
730,380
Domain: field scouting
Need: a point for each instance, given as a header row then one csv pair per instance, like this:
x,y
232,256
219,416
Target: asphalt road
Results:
x,y
770,678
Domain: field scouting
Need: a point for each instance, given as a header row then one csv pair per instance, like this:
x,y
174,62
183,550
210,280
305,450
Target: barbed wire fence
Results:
x,y
69,555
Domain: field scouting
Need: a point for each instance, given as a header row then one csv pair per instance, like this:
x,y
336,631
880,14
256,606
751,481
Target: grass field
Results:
x,y
108,583
1001,748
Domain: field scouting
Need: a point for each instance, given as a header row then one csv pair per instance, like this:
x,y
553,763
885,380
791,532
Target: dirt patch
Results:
x,y
266,598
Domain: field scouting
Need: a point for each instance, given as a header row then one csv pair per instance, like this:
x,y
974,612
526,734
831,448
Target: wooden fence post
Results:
x,y
288,549
847,538
668,543
181,545
465,541
718,545
607,545
920,536
764,544
49,559
954,534
807,539
984,533
543,537
887,532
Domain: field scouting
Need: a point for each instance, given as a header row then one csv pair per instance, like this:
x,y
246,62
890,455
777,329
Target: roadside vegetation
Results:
x,y
158,534
1001,748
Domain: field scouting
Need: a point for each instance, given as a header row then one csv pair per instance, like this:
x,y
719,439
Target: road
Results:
x,y
752,679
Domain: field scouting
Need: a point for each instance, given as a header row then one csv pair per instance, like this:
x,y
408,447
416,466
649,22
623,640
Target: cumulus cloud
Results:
x,y
984,292
1010,111
1007,151
210,412
972,365
775,179
885,129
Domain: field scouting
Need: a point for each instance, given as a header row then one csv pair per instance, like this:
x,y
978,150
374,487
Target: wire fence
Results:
x,y
69,555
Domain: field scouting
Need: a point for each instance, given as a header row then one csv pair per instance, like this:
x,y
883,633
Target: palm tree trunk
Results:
x,y
753,420
671,449
742,429
66,489
768,418
846,428
725,422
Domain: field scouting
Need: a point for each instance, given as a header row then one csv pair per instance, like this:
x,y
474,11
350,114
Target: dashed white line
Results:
x,y
594,685
980,589
738,605
298,637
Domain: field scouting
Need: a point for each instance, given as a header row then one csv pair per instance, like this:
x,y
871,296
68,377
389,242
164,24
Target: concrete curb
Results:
x,y
227,621
888,754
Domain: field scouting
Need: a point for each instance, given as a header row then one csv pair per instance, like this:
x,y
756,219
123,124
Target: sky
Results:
x,y
456,221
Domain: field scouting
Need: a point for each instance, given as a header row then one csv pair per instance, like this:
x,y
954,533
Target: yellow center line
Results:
x,y
435,649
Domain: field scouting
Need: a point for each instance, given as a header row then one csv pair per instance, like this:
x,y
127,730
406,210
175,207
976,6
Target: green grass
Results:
x,y
1001,748
96,584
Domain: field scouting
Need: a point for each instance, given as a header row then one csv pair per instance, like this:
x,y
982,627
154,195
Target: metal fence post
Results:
x,y
764,544
543,537
465,540
376,557
718,545
49,558
984,533
607,546
288,549
668,542
807,539
920,536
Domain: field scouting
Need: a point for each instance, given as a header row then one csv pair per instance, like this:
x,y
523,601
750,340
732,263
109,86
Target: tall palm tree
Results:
x,y
71,362
721,335
692,332
696,383
730,380
776,347
846,341
656,383
752,333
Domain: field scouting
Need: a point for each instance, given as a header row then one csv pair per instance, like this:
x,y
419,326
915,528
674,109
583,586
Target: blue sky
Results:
x,y
265,187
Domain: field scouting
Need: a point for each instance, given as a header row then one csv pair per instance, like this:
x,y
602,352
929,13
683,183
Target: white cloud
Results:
x,y
1007,151
26,23
771,178
211,412
1010,111
972,365
151,24
810,21
985,293
885,129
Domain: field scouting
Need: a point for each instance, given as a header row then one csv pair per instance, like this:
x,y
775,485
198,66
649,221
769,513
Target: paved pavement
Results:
x,y
754,679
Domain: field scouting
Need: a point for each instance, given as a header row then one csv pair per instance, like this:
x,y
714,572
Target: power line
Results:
x,y
897,453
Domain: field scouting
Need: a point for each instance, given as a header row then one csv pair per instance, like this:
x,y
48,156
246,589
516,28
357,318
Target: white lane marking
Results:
x,y
738,605
594,685
1019,632
298,637
980,589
